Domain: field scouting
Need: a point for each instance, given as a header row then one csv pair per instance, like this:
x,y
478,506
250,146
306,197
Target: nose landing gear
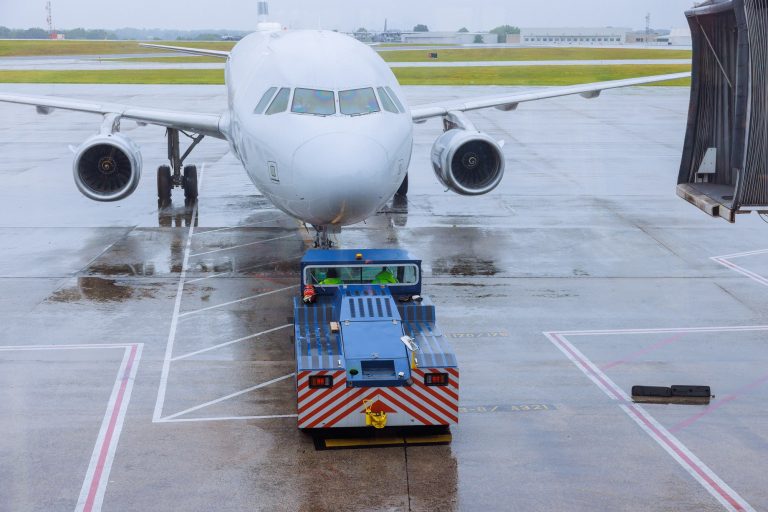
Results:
x,y
170,176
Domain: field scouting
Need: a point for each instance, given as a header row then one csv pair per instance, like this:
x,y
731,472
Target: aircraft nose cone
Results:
x,y
342,178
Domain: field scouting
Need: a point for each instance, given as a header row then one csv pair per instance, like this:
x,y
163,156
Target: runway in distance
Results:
x,y
319,122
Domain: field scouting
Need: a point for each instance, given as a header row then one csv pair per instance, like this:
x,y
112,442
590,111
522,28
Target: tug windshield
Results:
x,y
382,274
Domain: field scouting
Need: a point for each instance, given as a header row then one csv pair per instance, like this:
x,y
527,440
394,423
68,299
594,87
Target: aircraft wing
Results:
x,y
192,51
510,101
206,124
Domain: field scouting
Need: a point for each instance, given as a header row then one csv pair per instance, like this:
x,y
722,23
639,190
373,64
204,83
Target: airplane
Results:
x,y
318,121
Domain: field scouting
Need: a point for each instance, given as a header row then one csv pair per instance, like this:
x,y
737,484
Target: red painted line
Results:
x,y
680,453
406,409
321,395
432,404
453,372
353,408
616,394
655,346
104,450
673,445
435,391
329,412
439,420
723,401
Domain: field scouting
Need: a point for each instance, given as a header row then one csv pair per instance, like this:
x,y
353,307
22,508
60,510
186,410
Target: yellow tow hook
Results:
x,y
374,419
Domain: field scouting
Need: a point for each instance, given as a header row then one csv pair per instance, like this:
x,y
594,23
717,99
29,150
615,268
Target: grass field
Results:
x,y
520,75
520,54
32,48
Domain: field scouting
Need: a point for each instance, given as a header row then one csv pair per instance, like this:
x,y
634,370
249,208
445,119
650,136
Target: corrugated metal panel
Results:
x,y
316,346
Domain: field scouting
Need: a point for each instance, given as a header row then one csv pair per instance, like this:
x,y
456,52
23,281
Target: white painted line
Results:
x,y
251,267
229,418
188,313
740,254
738,328
157,414
199,233
741,270
244,338
674,447
232,395
97,475
242,245
61,347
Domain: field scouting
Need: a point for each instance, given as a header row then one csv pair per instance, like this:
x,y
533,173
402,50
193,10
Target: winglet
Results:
x,y
192,51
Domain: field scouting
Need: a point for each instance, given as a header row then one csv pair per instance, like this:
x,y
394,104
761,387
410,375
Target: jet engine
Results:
x,y
107,167
468,162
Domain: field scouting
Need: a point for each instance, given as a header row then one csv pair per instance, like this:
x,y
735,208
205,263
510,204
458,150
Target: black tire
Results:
x,y
164,184
403,190
190,182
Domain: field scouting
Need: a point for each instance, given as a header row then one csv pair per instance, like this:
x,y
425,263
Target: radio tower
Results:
x,y
49,20
647,28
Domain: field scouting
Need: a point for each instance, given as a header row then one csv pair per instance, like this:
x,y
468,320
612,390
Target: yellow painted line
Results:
x,y
441,438
353,442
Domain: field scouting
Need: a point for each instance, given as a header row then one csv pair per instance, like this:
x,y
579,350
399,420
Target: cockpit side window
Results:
x,y
312,101
395,99
265,100
357,102
386,101
280,103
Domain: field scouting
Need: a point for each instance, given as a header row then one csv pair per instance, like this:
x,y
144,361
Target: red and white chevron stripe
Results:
x,y
413,405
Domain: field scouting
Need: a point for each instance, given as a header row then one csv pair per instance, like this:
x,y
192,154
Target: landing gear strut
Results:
x,y
322,236
170,176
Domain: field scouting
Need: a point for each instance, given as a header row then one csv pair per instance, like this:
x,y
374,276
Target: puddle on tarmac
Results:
x,y
99,289
464,266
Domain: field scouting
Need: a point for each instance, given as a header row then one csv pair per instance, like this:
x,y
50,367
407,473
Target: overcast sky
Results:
x,y
345,15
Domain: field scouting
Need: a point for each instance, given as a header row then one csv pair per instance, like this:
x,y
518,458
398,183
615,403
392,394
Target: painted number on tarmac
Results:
x,y
481,409
491,334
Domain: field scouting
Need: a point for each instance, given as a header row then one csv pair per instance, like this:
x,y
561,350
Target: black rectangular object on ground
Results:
x,y
656,391
691,391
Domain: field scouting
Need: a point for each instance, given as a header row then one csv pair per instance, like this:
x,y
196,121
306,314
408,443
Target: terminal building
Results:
x,y
449,38
608,36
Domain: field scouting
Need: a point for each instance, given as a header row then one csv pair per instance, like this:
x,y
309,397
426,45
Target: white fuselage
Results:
x,y
326,170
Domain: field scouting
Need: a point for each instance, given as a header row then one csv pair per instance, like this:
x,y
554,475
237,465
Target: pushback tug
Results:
x,y
368,348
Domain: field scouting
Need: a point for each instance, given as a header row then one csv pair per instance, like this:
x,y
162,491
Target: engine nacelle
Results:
x,y
107,167
468,162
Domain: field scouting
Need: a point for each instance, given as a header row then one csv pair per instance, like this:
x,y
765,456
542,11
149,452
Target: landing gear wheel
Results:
x,y
403,190
164,184
190,183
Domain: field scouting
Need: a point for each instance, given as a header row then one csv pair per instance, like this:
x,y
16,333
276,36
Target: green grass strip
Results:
x,y
512,75
521,54
533,75
38,48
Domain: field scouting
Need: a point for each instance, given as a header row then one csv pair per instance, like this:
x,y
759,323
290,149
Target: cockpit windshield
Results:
x,y
312,101
357,102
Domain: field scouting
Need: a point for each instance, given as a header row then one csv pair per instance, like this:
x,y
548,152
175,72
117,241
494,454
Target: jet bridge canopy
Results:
x,y
724,169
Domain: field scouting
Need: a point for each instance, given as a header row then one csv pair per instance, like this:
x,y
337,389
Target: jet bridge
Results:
x,y
724,169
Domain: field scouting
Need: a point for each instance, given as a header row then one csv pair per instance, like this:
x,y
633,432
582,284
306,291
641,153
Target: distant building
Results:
x,y
448,37
573,36
643,37
680,37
